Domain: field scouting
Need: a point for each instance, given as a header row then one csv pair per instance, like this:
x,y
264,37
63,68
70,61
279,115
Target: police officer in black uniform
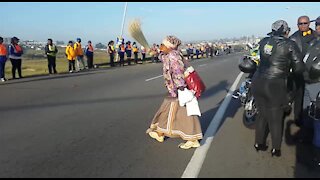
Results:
x,y
278,54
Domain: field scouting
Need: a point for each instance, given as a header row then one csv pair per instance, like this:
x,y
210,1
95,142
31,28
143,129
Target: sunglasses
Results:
x,y
303,23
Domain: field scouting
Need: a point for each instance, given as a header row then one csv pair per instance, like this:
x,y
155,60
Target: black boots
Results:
x,y
260,147
276,152
263,147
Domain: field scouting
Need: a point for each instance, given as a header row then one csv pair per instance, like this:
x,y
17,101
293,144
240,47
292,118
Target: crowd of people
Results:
x,y
208,49
119,53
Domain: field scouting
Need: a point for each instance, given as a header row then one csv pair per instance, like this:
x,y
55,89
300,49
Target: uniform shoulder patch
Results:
x,y
268,49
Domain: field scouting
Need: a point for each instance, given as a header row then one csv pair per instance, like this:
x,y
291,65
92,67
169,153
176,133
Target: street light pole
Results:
x,y
124,18
122,27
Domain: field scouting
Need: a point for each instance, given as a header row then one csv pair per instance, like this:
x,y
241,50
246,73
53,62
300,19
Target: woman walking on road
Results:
x,y
171,120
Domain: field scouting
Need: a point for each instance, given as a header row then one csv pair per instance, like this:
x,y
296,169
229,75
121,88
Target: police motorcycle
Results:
x,y
248,64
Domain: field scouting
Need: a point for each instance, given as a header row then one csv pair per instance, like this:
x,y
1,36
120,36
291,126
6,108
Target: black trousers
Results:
x,y
52,64
2,69
270,96
211,53
16,65
296,85
121,59
112,60
136,57
129,57
143,56
90,61
72,65
129,60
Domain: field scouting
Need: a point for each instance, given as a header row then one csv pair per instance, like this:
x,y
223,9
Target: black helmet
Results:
x,y
246,65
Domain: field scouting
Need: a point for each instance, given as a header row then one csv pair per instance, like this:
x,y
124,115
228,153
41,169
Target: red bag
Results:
x,y
194,81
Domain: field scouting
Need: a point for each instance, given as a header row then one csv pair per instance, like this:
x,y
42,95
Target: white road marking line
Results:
x,y
154,78
193,168
202,65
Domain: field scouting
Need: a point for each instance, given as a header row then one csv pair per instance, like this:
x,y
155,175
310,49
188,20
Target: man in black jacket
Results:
x,y
296,83
278,54
51,52
312,78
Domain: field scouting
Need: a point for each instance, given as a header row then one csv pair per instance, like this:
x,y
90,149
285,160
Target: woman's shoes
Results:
x,y
189,144
260,147
276,152
155,135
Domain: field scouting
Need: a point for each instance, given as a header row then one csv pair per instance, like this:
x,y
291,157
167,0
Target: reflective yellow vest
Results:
x,y
52,48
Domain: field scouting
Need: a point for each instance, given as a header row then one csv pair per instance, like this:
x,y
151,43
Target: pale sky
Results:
x,y
102,21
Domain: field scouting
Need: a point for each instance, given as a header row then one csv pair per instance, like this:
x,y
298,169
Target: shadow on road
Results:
x,y
222,86
306,152
230,112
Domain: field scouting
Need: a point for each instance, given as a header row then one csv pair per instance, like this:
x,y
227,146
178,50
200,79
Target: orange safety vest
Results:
x,y
90,48
122,48
3,50
78,49
18,48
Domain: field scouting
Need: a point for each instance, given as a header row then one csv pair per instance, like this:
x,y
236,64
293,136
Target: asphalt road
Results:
x,y
92,124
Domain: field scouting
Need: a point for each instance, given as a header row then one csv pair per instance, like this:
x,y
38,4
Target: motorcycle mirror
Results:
x,y
250,45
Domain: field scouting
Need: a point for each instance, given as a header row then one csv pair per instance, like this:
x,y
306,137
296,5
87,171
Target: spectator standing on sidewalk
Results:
x,y
89,53
15,53
3,59
111,52
135,52
79,53
71,56
51,51
121,52
143,53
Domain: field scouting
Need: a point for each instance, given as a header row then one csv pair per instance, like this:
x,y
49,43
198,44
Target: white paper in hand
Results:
x,y
185,96
193,108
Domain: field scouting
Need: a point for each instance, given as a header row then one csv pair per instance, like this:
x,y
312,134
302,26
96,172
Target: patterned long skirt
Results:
x,y
172,120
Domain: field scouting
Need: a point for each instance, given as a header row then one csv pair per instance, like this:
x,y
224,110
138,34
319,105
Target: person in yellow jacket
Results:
x,y
71,56
79,53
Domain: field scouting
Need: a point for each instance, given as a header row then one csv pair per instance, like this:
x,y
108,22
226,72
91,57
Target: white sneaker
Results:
x,y
71,71
3,79
155,135
189,144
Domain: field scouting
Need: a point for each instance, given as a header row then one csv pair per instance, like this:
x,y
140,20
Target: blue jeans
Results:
x,y
80,59
2,68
